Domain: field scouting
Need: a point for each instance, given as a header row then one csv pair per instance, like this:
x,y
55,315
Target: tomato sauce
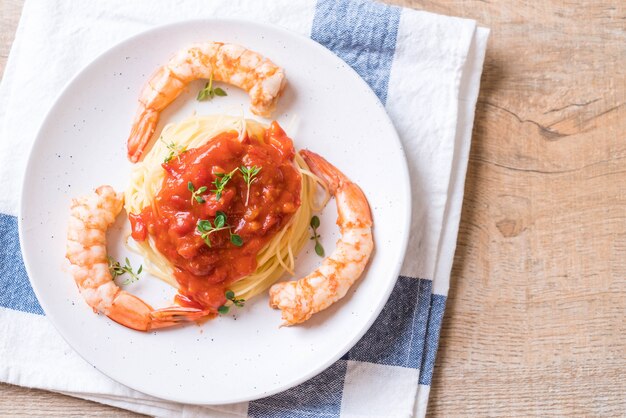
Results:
x,y
204,272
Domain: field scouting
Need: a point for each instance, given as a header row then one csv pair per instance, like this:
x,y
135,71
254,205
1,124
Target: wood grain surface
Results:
x,y
536,316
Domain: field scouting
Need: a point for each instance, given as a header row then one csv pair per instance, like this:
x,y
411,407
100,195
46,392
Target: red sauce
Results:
x,y
203,272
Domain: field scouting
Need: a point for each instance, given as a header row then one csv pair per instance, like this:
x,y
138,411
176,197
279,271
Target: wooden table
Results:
x,y
536,318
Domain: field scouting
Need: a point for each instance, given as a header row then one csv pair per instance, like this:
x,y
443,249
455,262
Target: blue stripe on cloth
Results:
x,y
406,334
361,33
397,336
317,397
15,290
437,308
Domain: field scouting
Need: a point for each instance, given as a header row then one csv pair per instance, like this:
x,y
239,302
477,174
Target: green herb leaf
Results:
x,y
229,294
223,309
219,92
236,240
221,179
204,225
204,93
220,219
319,250
315,222
190,186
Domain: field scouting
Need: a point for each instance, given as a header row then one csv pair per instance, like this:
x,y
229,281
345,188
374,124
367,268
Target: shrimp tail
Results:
x,y
144,125
132,312
175,315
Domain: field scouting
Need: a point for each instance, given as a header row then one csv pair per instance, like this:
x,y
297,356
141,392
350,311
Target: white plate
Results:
x,y
242,356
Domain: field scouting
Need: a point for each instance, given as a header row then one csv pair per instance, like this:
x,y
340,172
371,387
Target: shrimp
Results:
x,y
299,300
90,218
258,76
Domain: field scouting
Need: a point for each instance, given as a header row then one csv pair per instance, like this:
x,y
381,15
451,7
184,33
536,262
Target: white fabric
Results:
x,y
57,38
366,383
426,49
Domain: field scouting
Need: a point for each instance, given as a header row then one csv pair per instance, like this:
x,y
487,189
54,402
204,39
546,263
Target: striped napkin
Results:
x,y
425,68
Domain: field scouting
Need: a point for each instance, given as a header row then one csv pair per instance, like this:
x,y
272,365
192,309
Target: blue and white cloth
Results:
x,y
425,68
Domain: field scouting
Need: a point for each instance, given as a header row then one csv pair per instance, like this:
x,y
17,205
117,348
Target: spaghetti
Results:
x,y
275,257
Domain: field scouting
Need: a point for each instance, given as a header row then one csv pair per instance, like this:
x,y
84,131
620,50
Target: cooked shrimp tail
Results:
x,y
258,76
132,312
141,132
300,299
90,218
167,317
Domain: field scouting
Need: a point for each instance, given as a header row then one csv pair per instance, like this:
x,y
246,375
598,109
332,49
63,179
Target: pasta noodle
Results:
x,y
277,257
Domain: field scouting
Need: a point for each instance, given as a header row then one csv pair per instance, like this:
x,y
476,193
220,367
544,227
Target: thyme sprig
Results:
x,y
230,295
175,151
208,92
221,179
220,223
248,176
116,269
315,223
195,194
